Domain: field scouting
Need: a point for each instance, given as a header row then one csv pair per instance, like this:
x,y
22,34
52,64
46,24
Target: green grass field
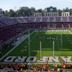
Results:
x,y
62,44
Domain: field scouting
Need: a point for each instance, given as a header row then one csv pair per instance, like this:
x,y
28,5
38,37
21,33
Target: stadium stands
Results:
x,y
10,26
35,68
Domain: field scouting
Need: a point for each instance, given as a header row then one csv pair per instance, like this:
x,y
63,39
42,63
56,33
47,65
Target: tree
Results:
x,y
32,10
6,13
51,9
24,11
1,12
12,13
66,10
40,10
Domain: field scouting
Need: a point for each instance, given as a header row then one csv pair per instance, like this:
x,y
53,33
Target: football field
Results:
x,y
45,43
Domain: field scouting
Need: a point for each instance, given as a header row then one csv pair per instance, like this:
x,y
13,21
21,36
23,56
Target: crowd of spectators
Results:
x,y
35,67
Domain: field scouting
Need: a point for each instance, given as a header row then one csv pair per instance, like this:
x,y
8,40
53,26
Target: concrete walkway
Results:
x,y
16,44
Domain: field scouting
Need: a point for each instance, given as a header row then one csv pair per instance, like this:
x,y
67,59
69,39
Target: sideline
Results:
x,y
17,44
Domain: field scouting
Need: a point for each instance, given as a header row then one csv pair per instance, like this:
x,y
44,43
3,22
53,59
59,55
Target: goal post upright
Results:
x,y
53,48
61,40
40,49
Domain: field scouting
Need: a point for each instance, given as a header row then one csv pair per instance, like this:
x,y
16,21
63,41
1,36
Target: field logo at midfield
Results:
x,y
44,59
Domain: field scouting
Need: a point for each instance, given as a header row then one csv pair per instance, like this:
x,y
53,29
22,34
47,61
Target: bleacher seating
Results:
x,y
12,26
35,68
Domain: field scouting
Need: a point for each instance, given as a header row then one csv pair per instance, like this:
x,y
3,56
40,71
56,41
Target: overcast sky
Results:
x,y
15,4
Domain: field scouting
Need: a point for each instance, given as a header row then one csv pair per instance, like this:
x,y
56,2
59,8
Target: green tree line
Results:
x,y
26,11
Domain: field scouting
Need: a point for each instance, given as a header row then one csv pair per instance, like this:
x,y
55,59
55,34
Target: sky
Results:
x,y
16,4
